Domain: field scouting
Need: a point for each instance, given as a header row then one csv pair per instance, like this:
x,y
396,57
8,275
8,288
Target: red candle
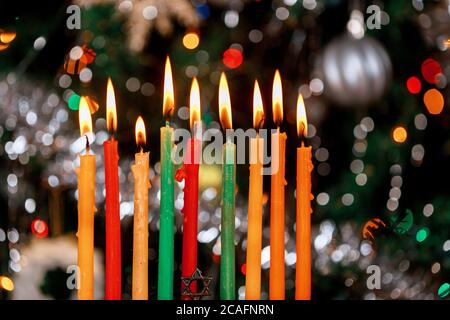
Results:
x,y
189,172
113,261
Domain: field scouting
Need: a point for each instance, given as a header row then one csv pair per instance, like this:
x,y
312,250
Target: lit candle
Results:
x,y
277,185
304,197
254,237
86,208
189,172
227,267
140,171
113,280
166,255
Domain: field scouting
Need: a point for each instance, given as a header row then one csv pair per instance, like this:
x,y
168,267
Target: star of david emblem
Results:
x,y
196,276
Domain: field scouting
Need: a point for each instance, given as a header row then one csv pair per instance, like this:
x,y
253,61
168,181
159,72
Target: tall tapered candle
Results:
x,y
189,172
227,260
86,208
254,237
277,184
140,171
113,280
166,254
304,197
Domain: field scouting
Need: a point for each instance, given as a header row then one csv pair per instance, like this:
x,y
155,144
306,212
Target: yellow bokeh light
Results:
x,y
191,40
399,134
6,283
7,37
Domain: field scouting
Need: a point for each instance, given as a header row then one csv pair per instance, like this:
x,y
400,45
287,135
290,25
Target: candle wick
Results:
x,y
87,144
302,135
260,122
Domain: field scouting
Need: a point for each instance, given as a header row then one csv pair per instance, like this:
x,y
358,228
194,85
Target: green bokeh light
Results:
x,y
422,234
74,102
444,290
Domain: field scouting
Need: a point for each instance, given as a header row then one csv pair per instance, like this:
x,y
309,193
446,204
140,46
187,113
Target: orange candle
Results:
x,y
277,185
254,237
304,197
86,208
140,171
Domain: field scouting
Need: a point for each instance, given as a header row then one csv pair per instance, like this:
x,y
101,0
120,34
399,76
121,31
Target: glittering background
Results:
x,y
377,103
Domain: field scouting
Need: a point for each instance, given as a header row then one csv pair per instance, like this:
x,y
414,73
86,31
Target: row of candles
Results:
x,y
189,172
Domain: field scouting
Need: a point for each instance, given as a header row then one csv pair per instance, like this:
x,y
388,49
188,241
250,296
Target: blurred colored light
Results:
x,y
422,234
244,269
191,40
430,69
434,101
6,283
39,228
74,102
444,290
203,11
88,55
7,37
414,85
232,58
399,134
3,46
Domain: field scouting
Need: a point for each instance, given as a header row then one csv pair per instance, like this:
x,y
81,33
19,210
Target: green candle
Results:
x,y
227,272
165,258
165,263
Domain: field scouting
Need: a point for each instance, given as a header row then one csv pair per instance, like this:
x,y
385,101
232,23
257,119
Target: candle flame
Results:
x,y
224,103
168,102
302,123
194,103
84,115
277,99
141,138
111,114
258,110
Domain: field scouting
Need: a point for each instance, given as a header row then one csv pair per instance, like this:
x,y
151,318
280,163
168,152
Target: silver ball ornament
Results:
x,y
356,71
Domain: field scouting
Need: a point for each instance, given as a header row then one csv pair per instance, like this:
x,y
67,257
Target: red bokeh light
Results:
x,y
430,69
215,258
39,228
232,58
244,269
414,85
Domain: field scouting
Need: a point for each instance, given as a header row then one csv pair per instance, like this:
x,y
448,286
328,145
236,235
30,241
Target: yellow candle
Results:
x,y
140,171
304,197
254,237
86,208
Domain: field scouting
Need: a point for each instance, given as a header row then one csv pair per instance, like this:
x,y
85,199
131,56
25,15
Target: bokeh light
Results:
x,y
191,40
413,85
7,37
74,102
422,234
434,101
430,69
39,228
6,283
244,269
399,134
232,58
